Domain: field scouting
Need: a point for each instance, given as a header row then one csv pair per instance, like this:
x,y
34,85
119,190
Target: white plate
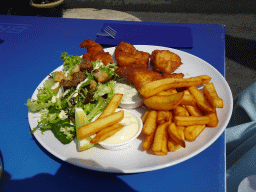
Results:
x,y
134,159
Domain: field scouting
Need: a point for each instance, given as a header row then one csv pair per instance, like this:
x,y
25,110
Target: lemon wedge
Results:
x,y
80,120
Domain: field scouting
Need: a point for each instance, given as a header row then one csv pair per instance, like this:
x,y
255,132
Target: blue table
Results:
x,y
30,48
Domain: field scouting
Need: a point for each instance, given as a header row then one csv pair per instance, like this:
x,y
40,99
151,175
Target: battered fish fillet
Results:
x,y
96,52
173,75
164,61
126,54
138,75
91,46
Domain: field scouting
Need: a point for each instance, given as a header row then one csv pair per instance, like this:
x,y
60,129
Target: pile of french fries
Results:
x,y
177,112
106,125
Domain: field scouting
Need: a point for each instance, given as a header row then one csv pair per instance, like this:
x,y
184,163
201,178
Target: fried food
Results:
x,y
194,110
77,78
164,61
163,117
146,145
188,99
154,87
126,54
181,131
91,46
144,117
166,102
200,98
60,75
96,52
112,105
167,92
213,119
160,140
175,135
180,111
105,57
212,96
150,125
191,120
172,146
106,133
192,132
100,76
99,124
86,65
139,76
172,75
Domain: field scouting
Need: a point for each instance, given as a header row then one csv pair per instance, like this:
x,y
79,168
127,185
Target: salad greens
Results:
x,y
56,103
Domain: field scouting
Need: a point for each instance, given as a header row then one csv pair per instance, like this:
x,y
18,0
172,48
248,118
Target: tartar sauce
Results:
x,y
131,127
128,90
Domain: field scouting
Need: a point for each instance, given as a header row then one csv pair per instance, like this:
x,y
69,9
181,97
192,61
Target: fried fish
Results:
x,y
164,61
126,54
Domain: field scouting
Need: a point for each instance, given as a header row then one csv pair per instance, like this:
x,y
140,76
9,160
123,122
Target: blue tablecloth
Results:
x,y
137,34
241,140
30,48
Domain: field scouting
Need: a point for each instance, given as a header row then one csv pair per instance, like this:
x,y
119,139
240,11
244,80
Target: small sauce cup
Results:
x,y
131,97
119,144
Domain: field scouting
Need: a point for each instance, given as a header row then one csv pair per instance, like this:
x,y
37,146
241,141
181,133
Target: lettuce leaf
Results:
x,y
70,62
34,106
51,102
43,97
109,69
107,89
94,109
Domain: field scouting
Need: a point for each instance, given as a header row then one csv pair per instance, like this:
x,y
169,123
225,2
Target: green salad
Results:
x,y
84,84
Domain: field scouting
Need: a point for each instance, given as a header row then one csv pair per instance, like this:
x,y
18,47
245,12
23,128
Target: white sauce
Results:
x,y
59,94
131,127
56,85
78,87
63,115
130,93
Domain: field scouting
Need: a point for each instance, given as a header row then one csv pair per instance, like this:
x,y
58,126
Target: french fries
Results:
x,y
188,100
106,133
167,92
160,140
191,120
166,102
162,117
179,115
213,119
148,141
112,105
158,86
201,100
180,111
192,132
172,146
150,124
212,96
99,124
144,117
174,134
194,110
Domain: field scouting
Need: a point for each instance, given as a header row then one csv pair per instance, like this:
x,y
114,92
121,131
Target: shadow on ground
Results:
x,y
67,178
173,6
241,51
14,7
